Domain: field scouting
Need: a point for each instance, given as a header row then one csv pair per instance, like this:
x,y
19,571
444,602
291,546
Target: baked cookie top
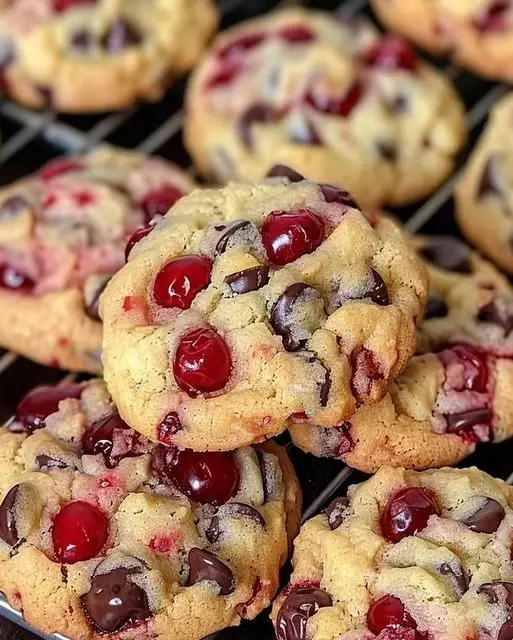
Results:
x,y
407,556
334,100
476,33
102,531
95,55
484,196
62,235
252,306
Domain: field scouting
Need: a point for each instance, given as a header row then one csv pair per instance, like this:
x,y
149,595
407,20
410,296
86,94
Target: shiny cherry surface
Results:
x,y
407,513
180,280
79,532
288,235
39,403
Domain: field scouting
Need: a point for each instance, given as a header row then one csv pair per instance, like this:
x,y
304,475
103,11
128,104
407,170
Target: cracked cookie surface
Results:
x,y
475,33
63,232
96,55
426,555
484,195
334,100
254,306
102,531
453,396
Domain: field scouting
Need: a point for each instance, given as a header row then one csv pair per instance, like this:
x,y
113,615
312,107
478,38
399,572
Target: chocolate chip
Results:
x,y
305,133
447,253
335,442
92,298
204,565
337,512
8,528
501,593
387,150
282,171
487,518
289,315
44,461
258,113
82,40
6,52
333,194
400,104
233,510
324,388
490,183
436,307
120,35
13,206
247,280
232,233
457,422
295,611
457,577
46,95
498,311
377,290
114,601
270,471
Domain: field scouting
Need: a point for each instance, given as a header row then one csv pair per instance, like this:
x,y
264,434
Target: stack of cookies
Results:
x,y
154,502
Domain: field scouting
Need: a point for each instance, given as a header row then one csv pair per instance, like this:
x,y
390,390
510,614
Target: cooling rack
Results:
x,y
32,138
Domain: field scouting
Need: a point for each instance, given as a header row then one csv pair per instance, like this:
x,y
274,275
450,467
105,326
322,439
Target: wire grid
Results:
x,y
64,135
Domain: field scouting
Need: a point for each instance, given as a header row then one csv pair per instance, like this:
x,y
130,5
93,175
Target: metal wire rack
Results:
x,y
31,138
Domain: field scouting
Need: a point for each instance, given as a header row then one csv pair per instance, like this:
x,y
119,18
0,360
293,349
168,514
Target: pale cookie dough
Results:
x,y
477,34
454,396
407,556
334,100
251,307
95,55
103,532
63,232
484,196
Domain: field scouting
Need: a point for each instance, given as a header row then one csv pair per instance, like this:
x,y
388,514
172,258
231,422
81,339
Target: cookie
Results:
x,y
453,396
62,235
95,55
334,100
476,33
484,195
406,556
102,531
253,306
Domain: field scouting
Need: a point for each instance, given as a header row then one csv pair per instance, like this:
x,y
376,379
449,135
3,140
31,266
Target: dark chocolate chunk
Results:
x,y
501,593
457,577
487,518
400,104
92,305
46,95
257,113
229,230
247,280
114,601
306,134
490,183
49,462
334,194
204,565
436,307
295,611
335,442
233,510
282,171
387,150
82,40
337,512
447,253
8,528
120,35
6,52
498,311
286,317
13,206
457,422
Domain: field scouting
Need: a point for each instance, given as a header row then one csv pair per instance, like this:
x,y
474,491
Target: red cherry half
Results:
x,y
60,166
39,403
136,237
236,48
389,611
296,34
407,513
202,362
391,52
14,280
209,477
493,17
340,106
79,532
159,201
288,235
180,280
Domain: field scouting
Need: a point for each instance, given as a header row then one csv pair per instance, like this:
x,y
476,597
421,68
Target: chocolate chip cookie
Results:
x,y
484,196
336,101
255,306
62,235
103,532
475,33
95,55
407,556
453,396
